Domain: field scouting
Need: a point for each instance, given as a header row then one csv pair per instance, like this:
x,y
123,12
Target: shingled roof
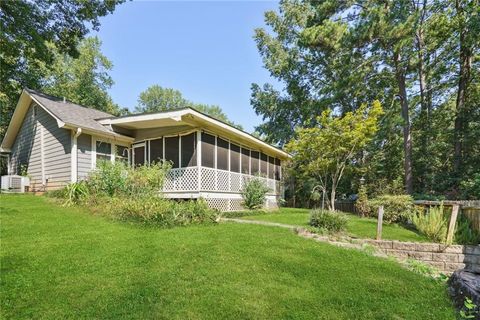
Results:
x,y
72,113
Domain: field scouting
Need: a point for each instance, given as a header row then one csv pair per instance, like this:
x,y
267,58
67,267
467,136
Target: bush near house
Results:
x,y
161,212
254,194
396,208
133,194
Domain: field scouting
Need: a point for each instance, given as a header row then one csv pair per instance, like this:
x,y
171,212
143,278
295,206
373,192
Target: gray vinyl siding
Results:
x,y
27,150
84,157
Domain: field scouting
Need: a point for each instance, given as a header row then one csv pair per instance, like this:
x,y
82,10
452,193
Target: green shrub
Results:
x,y
75,192
396,208
470,188
328,220
254,194
162,212
119,179
108,178
464,233
433,223
362,202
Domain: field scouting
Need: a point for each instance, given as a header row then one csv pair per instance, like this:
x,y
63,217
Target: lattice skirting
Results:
x,y
226,204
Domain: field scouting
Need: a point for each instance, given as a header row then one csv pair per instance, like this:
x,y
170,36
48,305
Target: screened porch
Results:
x,y
207,165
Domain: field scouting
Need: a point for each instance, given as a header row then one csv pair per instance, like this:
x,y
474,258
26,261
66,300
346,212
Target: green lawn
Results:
x,y
61,263
356,227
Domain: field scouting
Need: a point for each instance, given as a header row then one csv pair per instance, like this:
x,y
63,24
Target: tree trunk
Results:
x,y
465,64
426,108
407,138
332,200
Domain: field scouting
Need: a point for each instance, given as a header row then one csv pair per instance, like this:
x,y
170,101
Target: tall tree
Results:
x,y
156,98
83,80
27,28
337,55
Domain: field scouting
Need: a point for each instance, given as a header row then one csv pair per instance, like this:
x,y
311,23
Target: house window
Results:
x,y
278,169
103,150
156,150
245,161
189,150
222,154
263,164
208,150
121,153
255,167
234,158
271,167
171,150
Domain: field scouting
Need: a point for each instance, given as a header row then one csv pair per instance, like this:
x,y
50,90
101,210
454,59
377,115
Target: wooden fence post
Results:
x,y
379,223
451,226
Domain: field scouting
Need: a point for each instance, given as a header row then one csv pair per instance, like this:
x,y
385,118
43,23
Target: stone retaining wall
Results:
x,y
443,257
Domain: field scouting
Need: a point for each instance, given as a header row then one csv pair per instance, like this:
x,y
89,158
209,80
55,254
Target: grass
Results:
x,y
356,227
61,263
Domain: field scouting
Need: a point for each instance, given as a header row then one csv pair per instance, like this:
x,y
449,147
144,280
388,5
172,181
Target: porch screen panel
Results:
x,y
255,167
263,164
278,169
208,150
246,161
189,151
234,158
222,154
271,167
156,150
171,150
139,156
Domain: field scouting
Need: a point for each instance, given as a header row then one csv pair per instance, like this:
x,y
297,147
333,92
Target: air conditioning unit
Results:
x,y
15,183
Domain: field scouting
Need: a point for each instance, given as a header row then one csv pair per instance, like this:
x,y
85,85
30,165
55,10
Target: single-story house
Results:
x,y
59,142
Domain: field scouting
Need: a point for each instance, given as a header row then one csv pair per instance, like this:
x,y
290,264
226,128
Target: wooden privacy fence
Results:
x,y
346,206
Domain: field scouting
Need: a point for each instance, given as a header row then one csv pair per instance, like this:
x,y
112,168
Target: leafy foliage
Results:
x,y
396,208
161,212
254,194
362,202
156,98
331,221
118,179
27,29
326,150
83,80
75,192
417,58
464,232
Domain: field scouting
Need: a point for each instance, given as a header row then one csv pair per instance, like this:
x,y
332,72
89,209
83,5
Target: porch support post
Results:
x,y
199,160
73,154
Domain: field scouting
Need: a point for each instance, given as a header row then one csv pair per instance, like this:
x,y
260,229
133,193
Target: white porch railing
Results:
x,y
212,180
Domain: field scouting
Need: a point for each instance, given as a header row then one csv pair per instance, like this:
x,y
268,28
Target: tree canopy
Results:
x,y
418,58
156,98
324,151
84,80
28,27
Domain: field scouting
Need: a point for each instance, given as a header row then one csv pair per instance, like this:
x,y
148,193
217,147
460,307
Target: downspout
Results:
x,y
74,155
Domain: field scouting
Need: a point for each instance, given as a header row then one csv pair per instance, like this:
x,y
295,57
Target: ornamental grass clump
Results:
x,y
433,223
331,221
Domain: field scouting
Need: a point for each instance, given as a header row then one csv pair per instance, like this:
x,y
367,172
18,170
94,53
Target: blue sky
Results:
x,y
204,49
